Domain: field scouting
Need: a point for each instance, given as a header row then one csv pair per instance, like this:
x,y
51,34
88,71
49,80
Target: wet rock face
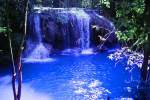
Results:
x,y
63,28
102,30
100,35
61,31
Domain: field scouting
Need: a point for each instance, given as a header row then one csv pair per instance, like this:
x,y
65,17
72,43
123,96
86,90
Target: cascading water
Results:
x,y
83,23
39,51
37,26
57,29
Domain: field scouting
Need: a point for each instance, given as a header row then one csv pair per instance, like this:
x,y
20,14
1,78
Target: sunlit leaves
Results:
x,y
106,3
121,36
3,29
138,6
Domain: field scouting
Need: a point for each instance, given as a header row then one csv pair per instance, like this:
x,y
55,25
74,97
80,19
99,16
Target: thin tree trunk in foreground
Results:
x,y
19,64
14,74
17,70
14,69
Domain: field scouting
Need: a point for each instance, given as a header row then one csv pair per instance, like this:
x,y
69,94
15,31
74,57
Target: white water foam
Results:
x,y
39,54
87,52
32,60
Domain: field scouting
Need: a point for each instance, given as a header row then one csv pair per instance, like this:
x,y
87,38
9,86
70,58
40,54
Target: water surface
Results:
x,y
81,77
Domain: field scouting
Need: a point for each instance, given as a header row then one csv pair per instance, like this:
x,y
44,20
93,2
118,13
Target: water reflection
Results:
x,y
90,90
69,77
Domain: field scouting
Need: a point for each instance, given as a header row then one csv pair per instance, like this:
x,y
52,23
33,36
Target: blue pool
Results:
x,y
81,77
59,63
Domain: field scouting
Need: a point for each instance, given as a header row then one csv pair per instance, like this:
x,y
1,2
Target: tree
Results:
x,y
13,11
113,8
144,70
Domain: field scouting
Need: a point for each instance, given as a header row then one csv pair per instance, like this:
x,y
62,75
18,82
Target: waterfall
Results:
x,y
59,29
83,22
76,26
38,50
37,28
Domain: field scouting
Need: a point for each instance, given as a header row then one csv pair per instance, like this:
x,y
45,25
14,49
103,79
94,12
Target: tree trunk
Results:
x,y
112,9
14,75
19,62
144,71
145,62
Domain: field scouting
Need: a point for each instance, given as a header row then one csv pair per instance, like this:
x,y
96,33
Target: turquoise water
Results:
x,y
82,77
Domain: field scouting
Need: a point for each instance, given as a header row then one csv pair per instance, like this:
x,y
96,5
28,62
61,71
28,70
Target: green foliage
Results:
x,y
12,16
105,3
5,30
129,21
121,37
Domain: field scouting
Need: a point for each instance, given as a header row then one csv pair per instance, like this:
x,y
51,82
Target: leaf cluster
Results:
x,y
129,21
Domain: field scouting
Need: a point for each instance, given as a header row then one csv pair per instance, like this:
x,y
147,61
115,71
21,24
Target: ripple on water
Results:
x,y
89,90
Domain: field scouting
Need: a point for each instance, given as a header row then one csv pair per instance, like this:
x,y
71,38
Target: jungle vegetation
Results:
x,y
131,18
128,16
